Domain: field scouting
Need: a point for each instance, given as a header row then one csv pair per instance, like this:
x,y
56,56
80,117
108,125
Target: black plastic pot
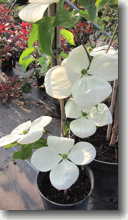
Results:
x,y
80,205
104,166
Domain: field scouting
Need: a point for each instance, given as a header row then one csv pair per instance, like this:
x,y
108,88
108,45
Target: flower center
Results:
x,y
84,72
25,132
64,156
84,114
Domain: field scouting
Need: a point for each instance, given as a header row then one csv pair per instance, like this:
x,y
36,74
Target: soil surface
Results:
x,y
104,152
77,192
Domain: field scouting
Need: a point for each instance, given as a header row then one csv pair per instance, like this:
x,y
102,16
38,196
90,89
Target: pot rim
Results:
x,y
106,162
91,177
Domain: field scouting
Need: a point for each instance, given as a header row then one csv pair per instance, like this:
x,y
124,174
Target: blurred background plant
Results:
x,y
10,88
13,38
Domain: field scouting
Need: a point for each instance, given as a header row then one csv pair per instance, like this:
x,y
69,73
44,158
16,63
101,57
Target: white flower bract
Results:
x,y
34,11
66,79
101,115
104,63
102,50
87,120
57,83
83,127
90,90
60,158
27,132
104,66
76,61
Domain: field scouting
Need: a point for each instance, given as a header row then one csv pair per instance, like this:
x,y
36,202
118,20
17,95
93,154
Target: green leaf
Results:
x,y
84,14
66,128
25,58
91,7
27,149
33,37
92,13
8,146
63,55
101,3
66,18
25,63
44,61
46,34
60,5
113,2
24,154
68,35
40,143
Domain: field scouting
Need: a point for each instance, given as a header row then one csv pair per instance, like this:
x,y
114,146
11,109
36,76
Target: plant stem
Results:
x,y
89,57
114,135
114,92
61,101
111,40
52,12
112,107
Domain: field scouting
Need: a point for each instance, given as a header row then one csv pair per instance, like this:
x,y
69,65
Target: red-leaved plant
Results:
x,y
13,35
10,88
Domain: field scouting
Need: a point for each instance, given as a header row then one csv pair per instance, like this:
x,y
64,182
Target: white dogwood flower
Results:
x,y
76,61
27,132
61,81
61,158
104,64
90,90
87,120
35,10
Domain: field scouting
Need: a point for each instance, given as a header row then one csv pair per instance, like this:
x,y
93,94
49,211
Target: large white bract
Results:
x,y
77,61
90,90
102,50
34,11
103,65
57,83
87,120
60,79
60,158
66,79
27,132
83,127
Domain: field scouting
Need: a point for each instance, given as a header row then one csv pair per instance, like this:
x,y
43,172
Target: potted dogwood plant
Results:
x,y
81,84
62,162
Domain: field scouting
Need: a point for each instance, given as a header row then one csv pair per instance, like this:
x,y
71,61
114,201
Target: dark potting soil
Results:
x,y
78,191
104,151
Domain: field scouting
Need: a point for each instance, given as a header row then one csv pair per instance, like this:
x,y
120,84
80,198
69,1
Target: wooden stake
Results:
x,y
62,116
112,107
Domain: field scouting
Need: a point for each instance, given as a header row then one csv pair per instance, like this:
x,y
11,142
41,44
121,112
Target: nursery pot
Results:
x,y
104,166
52,205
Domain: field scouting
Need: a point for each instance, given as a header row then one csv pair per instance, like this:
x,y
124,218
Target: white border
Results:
x,y
122,214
